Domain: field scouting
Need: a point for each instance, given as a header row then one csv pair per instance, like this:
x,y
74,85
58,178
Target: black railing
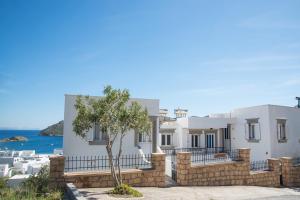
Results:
x,y
296,161
210,156
261,165
195,149
205,155
90,163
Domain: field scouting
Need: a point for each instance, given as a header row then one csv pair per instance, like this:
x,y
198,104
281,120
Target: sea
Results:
x,y
41,144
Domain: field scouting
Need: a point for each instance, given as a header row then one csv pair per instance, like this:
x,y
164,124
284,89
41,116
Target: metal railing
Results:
x,y
217,156
91,163
205,155
296,161
261,165
195,149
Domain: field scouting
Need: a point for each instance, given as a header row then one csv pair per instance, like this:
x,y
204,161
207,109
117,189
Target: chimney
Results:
x,y
298,99
180,113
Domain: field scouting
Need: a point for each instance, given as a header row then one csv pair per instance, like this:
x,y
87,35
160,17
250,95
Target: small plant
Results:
x,y
34,188
125,190
38,183
2,183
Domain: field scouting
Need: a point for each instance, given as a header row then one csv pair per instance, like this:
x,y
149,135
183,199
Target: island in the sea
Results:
x,y
15,139
53,130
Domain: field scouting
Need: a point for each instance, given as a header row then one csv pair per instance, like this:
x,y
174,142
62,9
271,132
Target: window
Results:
x,y
166,139
251,131
144,137
281,130
252,128
97,132
227,133
97,137
195,140
210,140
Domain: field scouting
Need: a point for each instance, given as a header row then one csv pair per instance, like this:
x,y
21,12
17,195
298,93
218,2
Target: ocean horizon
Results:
x,y
41,144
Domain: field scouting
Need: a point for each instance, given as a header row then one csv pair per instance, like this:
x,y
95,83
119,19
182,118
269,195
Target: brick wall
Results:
x,y
228,173
154,177
290,173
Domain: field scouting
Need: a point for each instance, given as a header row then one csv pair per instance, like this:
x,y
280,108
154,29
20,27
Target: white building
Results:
x,y
94,144
4,170
17,180
268,130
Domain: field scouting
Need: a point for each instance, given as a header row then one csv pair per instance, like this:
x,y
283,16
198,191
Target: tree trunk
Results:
x,y
118,158
112,165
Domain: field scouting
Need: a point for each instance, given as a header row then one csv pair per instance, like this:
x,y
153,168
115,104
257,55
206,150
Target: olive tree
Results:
x,y
115,118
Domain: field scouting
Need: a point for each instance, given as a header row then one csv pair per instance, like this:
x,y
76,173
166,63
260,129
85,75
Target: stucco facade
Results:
x,y
270,131
74,145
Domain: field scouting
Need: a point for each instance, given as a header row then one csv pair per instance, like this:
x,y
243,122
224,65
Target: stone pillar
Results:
x,y
244,155
159,165
183,165
155,132
56,175
158,161
274,166
286,169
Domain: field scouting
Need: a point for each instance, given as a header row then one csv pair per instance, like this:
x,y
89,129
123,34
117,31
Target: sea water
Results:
x,y
41,144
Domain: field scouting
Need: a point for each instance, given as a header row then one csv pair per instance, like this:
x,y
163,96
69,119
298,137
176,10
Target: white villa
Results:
x,y
94,144
268,130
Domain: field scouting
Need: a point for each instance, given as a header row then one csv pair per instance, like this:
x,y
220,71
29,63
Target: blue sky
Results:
x,y
206,56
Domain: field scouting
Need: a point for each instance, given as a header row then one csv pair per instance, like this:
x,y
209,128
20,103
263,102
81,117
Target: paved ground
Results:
x,y
204,193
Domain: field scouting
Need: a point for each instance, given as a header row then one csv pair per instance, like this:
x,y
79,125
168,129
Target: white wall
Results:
x,y
75,145
4,170
260,150
207,122
292,116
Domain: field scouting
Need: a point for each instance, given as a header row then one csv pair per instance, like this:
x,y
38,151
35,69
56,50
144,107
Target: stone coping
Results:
x,y
73,193
97,173
260,172
215,163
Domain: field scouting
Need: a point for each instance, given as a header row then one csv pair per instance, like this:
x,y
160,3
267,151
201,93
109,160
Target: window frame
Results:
x,y
281,129
193,141
251,125
165,135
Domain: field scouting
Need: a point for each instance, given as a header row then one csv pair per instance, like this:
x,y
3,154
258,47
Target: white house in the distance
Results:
x,y
94,144
268,130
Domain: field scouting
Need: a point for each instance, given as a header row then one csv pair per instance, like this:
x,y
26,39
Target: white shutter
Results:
x,y
278,131
257,131
246,131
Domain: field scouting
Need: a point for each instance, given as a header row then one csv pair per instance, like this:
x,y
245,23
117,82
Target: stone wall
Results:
x,y
227,173
290,172
154,177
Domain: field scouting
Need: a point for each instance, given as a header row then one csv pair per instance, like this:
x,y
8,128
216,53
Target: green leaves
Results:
x,y
112,112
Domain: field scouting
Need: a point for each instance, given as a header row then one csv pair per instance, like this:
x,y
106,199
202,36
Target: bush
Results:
x,y
2,183
38,183
34,188
126,190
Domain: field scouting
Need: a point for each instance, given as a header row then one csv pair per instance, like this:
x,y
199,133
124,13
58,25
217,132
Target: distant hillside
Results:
x,y
54,130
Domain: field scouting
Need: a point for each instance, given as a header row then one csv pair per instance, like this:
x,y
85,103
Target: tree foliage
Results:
x,y
115,116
